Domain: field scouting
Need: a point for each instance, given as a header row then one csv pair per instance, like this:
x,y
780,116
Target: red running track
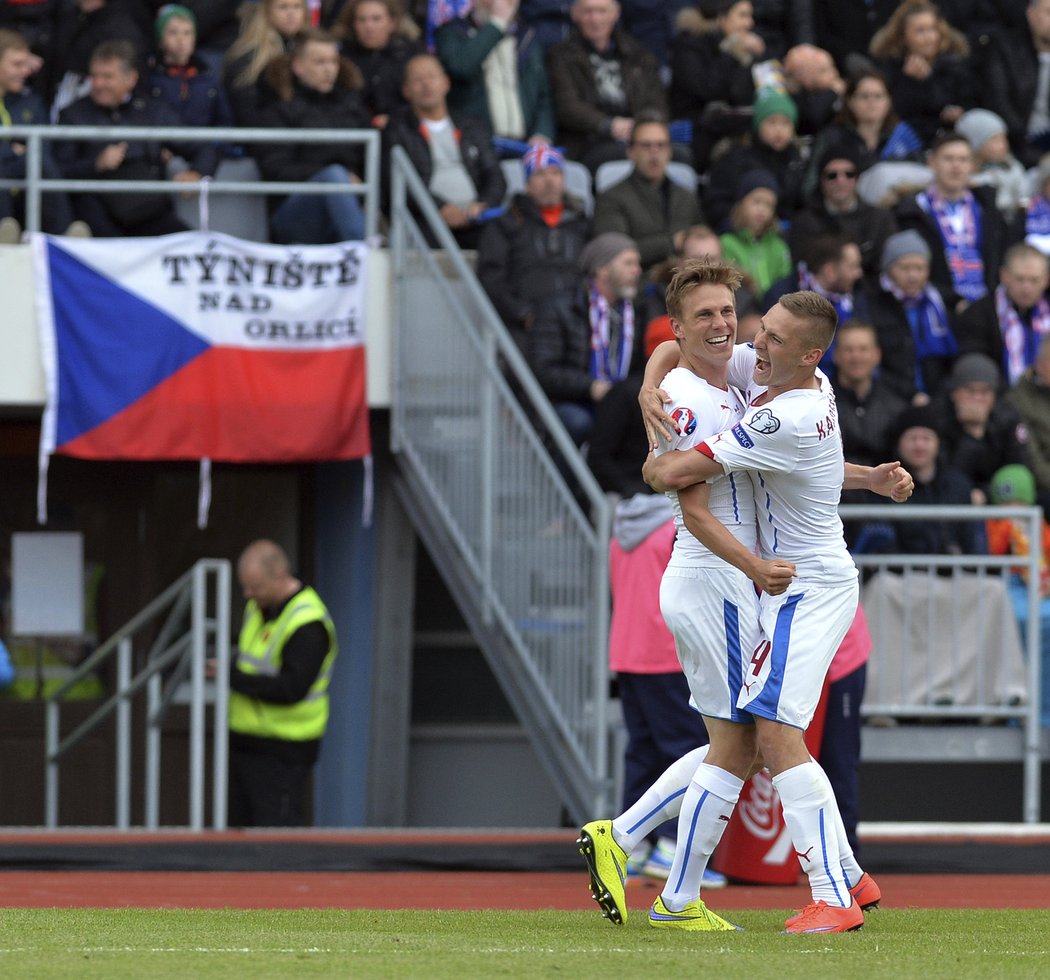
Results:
x,y
460,890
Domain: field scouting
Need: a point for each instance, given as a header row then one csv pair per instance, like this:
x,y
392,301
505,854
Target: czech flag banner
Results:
x,y
199,346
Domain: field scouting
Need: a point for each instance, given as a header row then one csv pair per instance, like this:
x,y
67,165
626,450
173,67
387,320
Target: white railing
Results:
x,y
35,184
174,653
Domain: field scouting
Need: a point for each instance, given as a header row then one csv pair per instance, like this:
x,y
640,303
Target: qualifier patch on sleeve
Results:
x,y
741,436
764,421
684,421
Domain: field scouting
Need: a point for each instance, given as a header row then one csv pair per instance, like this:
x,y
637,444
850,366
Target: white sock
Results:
x,y
851,869
706,808
808,804
659,803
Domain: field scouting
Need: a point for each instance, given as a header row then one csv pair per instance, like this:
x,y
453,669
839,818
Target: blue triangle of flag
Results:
x,y
113,347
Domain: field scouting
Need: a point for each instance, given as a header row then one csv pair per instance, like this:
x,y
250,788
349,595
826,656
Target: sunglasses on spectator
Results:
x,y
834,174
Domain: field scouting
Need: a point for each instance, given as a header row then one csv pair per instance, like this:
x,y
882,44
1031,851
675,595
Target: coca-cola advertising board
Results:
x,y
756,847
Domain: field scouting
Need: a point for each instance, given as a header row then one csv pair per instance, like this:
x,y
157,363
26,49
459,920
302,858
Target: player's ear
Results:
x,y
812,356
676,328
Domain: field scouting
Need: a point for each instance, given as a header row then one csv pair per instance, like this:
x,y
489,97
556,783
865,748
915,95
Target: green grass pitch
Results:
x,y
201,944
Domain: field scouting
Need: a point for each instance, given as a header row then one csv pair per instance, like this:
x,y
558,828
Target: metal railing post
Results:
x,y
51,766
220,711
124,735
153,749
198,645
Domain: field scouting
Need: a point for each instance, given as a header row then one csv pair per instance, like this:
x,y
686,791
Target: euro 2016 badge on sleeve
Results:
x,y
684,421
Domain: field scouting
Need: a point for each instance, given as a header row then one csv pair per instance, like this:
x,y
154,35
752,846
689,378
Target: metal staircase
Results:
x,y
524,559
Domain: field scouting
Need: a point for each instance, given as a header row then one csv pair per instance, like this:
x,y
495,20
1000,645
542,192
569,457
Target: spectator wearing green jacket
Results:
x,y
755,243
498,71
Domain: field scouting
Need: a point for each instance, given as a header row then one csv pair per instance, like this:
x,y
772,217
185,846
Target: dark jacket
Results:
x,y
25,109
845,27
978,330
581,120
76,158
618,445
1003,443
559,347
304,108
648,213
247,101
702,73
867,225
77,34
522,261
786,165
865,422
475,145
948,486
919,102
898,367
462,47
995,237
1010,79
198,99
382,72
1031,398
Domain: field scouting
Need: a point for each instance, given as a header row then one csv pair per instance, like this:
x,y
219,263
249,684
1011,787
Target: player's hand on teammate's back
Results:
x,y
891,480
774,576
659,426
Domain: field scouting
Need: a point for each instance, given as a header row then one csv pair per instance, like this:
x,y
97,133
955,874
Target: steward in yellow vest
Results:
x,y
278,691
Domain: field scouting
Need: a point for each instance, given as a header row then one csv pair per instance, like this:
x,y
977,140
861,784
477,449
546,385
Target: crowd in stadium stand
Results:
x,y
889,155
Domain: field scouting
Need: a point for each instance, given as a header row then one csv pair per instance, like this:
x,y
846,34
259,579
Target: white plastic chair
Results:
x,y
612,172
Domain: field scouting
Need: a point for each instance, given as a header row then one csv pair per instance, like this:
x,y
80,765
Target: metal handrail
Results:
x,y
1029,714
189,591
573,741
36,184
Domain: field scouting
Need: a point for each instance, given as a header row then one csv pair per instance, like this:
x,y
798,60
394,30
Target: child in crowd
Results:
x,y
1015,484
996,165
755,243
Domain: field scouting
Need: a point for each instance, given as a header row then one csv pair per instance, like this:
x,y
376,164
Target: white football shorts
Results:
x,y
800,632
712,611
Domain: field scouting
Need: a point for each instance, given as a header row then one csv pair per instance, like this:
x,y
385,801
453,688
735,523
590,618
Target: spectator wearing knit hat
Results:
x,y
531,252
772,147
585,341
754,242
915,437
835,207
980,432
179,76
996,165
913,320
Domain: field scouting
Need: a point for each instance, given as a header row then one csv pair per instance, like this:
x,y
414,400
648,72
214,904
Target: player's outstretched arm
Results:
x,y
887,480
678,469
659,426
771,576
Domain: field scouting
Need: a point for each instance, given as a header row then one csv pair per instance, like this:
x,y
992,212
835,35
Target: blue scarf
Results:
x,y
961,237
607,364
930,329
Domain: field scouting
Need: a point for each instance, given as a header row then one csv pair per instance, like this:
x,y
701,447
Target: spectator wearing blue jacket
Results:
x,y
20,107
179,77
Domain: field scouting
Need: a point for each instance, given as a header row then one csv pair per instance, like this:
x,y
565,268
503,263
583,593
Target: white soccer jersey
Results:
x,y
793,449
701,410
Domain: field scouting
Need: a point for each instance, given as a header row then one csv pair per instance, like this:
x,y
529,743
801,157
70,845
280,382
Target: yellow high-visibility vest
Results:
x,y
261,647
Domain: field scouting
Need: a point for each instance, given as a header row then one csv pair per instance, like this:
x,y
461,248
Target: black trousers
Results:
x,y
265,790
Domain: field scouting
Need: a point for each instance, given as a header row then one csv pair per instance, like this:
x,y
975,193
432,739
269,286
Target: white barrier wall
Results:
x,y
21,377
